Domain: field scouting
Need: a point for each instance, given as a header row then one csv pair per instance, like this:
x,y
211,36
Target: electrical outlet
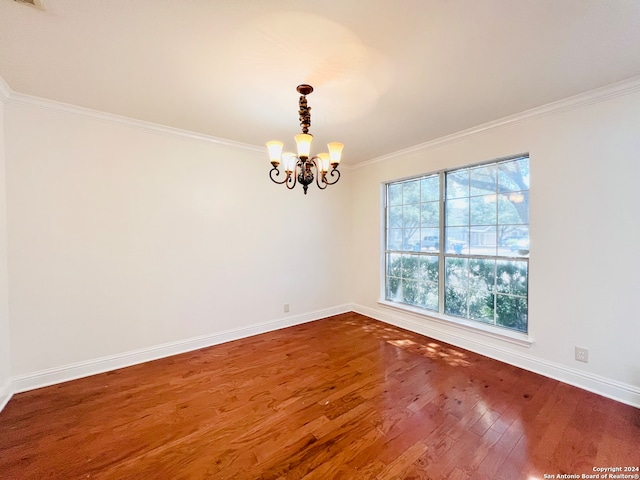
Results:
x,y
582,354
286,308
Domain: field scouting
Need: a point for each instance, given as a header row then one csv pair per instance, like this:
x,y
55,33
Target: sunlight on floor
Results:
x,y
433,351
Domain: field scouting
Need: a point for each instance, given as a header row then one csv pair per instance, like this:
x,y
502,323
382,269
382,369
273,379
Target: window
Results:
x,y
457,243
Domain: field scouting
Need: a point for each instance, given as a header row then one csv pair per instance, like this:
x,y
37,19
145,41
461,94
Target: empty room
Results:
x,y
318,240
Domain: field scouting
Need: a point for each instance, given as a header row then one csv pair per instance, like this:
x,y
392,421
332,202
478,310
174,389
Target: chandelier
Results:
x,y
301,167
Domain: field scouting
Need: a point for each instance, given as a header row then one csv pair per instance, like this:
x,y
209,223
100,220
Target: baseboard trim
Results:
x,y
52,376
613,389
6,392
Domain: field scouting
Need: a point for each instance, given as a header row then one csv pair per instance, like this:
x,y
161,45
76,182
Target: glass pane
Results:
x,y
428,269
430,214
428,296
455,302
411,192
395,194
431,189
457,184
481,306
484,180
513,208
482,240
513,240
395,217
511,312
410,266
411,224
411,216
393,289
394,239
457,212
411,239
457,240
483,210
481,274
513,175
511,277
457,272
394,264
410,292
430,240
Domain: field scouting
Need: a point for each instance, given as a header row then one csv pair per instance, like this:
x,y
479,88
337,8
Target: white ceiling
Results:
x,y
387,75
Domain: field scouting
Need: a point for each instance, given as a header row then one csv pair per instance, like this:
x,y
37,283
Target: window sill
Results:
x,y
516,338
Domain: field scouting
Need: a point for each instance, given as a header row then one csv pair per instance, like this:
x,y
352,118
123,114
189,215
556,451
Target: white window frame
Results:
x,y
504,333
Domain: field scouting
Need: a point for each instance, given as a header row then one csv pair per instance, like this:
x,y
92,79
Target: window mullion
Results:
x,y
442,247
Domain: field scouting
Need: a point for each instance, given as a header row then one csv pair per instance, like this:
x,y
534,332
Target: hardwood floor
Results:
x,y
344,397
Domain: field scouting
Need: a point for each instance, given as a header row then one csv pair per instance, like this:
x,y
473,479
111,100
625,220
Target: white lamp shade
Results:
x,y
289,160
324,162
303,141
335,152
275,152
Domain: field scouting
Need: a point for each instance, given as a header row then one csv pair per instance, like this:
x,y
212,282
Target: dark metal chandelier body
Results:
x,y
302,167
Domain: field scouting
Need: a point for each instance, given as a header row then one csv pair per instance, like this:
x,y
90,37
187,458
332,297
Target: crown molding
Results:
x,y
587,98
570,103
5,91
66,108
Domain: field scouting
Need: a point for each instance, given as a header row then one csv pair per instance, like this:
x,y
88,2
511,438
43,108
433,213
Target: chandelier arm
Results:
x,y
293,176
277,173
333,173
319,174
292,180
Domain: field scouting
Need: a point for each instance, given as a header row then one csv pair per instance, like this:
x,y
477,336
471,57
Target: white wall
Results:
x,y
124,238
5,365
585,238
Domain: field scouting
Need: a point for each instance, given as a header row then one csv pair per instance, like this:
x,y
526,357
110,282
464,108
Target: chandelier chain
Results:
x,y
305,114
